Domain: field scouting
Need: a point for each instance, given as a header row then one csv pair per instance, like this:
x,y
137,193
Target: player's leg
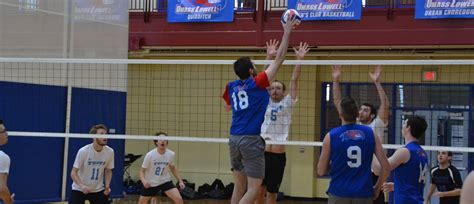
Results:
x,y
77,197
277,163
253,159
174,195
261,194
240,179
98,198
253,185
147,194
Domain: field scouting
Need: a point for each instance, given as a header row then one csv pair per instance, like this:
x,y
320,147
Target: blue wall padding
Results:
x,y
90,107
36,163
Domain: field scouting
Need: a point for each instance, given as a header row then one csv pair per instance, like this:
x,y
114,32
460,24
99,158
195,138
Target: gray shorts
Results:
x,y
339,200
247,155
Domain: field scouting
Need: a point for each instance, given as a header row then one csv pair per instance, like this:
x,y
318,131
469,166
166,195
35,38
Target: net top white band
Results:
x,y
230,62
212,140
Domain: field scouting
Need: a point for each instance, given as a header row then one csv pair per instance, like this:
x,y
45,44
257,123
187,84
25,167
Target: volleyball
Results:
x,y
290,13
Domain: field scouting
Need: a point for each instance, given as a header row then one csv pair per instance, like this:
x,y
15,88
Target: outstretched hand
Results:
x,y
301,51
290,24
376,75
272,47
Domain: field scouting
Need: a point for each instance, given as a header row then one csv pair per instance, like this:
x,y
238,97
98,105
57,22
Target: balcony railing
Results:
x,y
162,5
251,5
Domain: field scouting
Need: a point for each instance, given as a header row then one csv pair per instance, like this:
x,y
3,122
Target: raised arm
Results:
x,y
384,103
300,52
272,46
336,88
281,53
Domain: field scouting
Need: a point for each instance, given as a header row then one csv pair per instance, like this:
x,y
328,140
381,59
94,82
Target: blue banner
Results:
x,y
200,10
327,9
429,9
115,11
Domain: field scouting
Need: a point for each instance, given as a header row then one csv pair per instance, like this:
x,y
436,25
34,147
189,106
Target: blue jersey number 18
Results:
x,y
242,100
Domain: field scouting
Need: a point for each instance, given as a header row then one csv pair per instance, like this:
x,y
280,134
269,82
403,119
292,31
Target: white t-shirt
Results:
x,y
4,163
91,165
378,126
278,119
156,167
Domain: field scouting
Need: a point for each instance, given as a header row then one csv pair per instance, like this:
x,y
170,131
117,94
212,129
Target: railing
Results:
x,y
251,5
162,5
282,4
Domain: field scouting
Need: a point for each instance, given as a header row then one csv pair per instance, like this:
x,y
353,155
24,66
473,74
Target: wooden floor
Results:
x,y
162,200
132,199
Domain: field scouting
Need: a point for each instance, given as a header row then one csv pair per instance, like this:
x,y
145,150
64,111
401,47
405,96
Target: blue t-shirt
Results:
x,y
249,100
409,178
352,147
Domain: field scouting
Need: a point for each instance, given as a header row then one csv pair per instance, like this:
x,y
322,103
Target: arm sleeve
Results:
x,y
379,123
457,178
111,163
4,164
146,161
289,102
226,96
262,80
79,159
433,181
172,155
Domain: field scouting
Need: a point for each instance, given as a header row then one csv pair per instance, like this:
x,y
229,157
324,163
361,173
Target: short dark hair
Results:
x,y
242,66
372,108
282,84
417,126
349,109
158,134
97,127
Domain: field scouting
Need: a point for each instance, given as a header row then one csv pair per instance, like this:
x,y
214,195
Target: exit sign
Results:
x,y
429,75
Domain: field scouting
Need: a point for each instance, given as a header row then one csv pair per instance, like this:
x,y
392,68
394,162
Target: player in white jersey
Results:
x,y
4,168
93,161
368,114
277,124
155,173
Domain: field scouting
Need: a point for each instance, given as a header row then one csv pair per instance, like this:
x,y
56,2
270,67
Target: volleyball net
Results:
x,y
49,106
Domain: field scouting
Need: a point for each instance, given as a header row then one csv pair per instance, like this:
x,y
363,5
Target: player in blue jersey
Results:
x,y
348,150
248,98
409,164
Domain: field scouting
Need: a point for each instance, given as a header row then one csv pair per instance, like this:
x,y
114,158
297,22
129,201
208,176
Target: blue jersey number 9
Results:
x,y
354,154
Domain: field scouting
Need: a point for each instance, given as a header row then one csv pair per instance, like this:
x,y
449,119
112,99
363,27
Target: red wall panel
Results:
x,y
376,28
